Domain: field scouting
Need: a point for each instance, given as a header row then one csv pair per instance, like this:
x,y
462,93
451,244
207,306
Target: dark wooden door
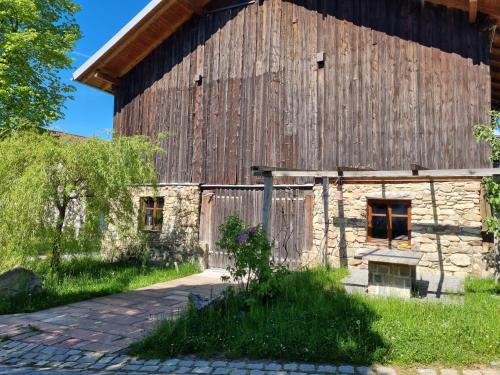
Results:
x,y
291,220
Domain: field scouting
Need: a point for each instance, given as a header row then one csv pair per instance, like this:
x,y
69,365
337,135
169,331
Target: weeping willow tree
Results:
x,y
58,193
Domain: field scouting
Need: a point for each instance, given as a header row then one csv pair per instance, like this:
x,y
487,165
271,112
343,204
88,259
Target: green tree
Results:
x,y
36,37
45,180
487,133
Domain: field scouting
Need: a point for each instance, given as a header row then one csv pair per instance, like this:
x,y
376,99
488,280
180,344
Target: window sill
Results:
x,y
393,243
156,231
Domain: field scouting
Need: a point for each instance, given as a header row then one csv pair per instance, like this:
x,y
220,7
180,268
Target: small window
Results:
x,y
152,214
389,220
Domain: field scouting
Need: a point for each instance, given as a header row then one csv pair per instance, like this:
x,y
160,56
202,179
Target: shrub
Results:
x,y
250,253
176,245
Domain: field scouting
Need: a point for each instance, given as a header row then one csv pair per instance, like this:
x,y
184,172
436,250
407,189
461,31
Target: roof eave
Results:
x,y
87,66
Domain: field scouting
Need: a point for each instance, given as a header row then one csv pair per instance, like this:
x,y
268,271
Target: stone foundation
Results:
x,y
390,280
446,225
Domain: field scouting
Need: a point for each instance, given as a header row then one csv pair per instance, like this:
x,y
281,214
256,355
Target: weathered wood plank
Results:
x,y
401,83
480,172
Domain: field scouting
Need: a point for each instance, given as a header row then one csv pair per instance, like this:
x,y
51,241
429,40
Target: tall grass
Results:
x,y
313,319
89,277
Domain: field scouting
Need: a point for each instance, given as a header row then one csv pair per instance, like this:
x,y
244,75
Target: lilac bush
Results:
x,y
249,251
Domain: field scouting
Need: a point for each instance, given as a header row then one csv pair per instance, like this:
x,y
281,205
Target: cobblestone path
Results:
x,y
22,358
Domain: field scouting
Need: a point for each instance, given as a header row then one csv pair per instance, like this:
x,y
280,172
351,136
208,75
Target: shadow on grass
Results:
x,y
310,319
86,278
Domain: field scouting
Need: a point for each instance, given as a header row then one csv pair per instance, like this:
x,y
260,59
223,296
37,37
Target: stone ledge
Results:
x,y
410,258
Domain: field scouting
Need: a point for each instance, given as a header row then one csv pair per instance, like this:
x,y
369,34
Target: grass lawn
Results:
x,y
313,319
89,277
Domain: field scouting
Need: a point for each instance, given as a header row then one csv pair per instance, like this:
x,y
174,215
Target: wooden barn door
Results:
x,y
291,220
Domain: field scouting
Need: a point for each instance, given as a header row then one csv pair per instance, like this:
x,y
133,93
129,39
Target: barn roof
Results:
x,y
151,26
161,18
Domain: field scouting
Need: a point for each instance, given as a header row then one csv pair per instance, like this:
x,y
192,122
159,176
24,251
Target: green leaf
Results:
x,y
42,176
36,37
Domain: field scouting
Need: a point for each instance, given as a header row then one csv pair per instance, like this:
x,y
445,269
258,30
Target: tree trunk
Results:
x,y
55,259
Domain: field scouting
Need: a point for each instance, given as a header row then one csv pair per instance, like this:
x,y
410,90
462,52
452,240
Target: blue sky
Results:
x,y
91,111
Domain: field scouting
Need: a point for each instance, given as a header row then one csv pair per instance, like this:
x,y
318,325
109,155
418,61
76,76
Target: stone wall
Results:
x,y
446,225
178,240
181,208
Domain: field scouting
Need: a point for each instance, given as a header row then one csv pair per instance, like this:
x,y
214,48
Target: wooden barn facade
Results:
x,y
314,85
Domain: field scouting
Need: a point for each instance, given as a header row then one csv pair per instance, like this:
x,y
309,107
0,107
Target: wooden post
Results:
x,y
267,204
326,217
205,231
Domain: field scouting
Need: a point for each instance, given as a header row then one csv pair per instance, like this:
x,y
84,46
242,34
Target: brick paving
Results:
x,y
88,338
109,324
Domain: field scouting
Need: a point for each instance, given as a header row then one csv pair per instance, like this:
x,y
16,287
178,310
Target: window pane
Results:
x,y
160,202
379,227
149,202
159,219
400,228
399,209
149,218
378,208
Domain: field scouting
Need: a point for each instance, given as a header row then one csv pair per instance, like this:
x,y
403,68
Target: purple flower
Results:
x,y
252,231
242,238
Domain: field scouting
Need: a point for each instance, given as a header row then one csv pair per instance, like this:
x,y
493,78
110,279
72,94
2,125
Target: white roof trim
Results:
x,y
116,38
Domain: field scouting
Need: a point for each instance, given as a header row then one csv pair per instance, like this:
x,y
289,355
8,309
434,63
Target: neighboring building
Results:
x,y
313,84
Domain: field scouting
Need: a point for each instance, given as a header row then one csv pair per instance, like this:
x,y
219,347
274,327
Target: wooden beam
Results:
x,y
192,6
472,5
491,7
495,53
481,172
495,85
495,94
267,205
495,76
495,64
341,170
107,77
415,168
496,39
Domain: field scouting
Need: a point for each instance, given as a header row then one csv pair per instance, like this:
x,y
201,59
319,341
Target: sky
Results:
x,y
91,111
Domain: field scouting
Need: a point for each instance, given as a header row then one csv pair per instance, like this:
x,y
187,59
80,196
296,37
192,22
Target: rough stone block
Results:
x,y
273,367
460,260
385,371
202,370
426,371
221,371
307,367
345,369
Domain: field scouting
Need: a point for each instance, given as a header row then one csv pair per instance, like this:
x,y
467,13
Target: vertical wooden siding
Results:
x,y
291,220
402,84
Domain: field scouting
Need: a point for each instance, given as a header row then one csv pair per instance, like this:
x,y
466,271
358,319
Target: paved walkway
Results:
x,y
109,324
22,358
87,338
